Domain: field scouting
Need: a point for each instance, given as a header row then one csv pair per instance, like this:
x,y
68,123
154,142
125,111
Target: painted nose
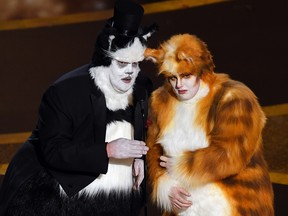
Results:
x,y
129,68
129,72
179,83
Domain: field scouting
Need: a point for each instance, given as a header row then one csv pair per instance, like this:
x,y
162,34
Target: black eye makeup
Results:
x,y
122,64
172,78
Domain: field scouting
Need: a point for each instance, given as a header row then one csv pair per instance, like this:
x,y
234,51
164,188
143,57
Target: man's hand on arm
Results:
x,y
124,148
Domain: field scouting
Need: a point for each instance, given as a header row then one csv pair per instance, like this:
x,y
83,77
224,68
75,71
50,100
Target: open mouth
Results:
x,y
127,79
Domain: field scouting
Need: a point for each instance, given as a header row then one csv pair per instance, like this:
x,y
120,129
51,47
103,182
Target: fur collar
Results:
x,y
114,99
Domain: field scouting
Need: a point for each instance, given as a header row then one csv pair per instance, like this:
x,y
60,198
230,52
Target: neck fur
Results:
x,y
114,100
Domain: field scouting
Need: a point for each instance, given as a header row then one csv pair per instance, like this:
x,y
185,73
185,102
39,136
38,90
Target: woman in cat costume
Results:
x,y
84,157
205,156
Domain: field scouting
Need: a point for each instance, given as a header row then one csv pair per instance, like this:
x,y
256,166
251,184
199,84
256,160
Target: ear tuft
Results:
x,y
154,55
149,31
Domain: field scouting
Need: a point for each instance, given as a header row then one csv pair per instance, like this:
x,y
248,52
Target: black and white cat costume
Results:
x,y
63,168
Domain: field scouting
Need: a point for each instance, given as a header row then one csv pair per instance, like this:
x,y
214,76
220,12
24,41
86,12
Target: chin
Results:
x,y
124,89
183,97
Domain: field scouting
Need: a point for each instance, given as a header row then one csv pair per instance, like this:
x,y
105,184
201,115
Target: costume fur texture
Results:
x,y
214,139
40,195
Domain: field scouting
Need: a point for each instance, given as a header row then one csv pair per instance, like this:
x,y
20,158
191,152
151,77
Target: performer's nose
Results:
x,y
179,83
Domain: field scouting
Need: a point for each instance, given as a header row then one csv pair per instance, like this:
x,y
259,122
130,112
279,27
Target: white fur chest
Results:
x,y
207,200
183,134
119,175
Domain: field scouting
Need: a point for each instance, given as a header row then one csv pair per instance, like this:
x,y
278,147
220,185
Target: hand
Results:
x,y
124,148
166,162
138,173
178,197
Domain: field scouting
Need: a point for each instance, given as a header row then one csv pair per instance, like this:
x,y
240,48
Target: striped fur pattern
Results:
x,y
214,139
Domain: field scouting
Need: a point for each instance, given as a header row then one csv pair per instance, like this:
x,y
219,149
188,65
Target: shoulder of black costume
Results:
x,y
82,71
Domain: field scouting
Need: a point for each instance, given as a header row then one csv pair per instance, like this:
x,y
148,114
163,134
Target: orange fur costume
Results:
x,y
214,139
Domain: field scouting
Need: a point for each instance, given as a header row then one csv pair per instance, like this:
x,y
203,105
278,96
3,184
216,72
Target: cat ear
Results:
x,y
154,55
111,38
149,31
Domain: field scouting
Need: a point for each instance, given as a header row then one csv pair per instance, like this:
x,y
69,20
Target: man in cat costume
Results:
x,y
205,146
84,157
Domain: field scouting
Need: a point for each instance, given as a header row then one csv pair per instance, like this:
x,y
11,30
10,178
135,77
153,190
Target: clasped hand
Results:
x,y
124,148
178,196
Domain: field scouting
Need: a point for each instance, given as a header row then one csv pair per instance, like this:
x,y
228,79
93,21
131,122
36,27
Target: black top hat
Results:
x,y
124,26
127,17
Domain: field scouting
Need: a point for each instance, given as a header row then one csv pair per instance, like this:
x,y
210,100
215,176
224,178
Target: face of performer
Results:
x,y
123,74
124,66
185,86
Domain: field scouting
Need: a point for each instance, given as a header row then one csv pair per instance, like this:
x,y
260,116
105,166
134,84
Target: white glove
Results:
x,y
124,148
138,172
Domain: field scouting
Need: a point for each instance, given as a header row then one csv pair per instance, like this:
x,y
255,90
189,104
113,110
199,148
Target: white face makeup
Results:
x,y
185,87
123,75
124,66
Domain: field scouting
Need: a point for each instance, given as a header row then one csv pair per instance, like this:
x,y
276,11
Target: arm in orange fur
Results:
x,y
161,182
235,135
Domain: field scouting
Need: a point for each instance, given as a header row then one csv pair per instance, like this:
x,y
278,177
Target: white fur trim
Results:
x,y
111,38
146,36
